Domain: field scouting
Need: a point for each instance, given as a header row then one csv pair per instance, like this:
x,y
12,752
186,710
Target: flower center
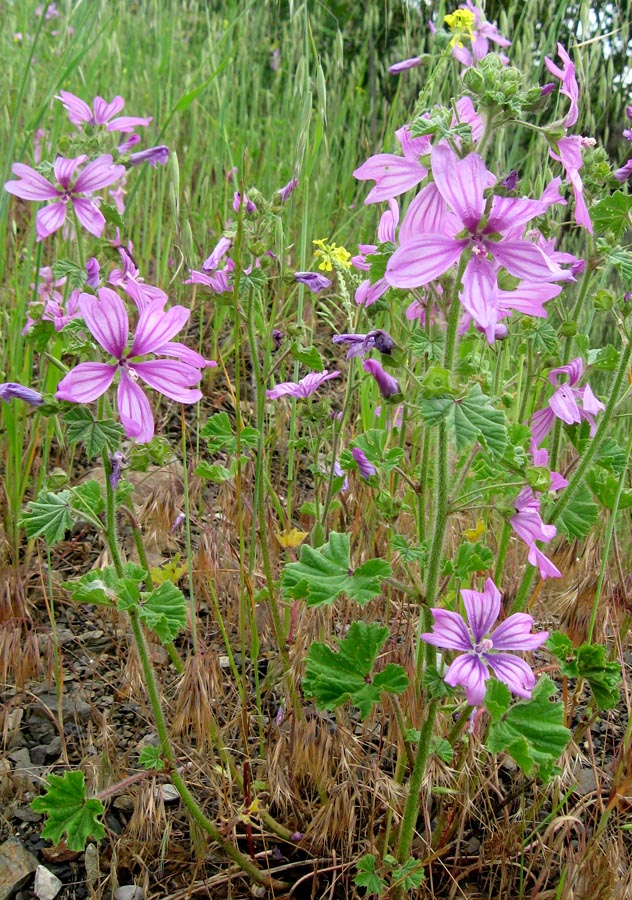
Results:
x,y
484,646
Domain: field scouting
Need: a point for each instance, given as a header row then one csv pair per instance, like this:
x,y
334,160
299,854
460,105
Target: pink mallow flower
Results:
x,y
303,388
569,86
393,175
453,220
529,526
479,646
69,190
570,155
102,113
107,321
569,403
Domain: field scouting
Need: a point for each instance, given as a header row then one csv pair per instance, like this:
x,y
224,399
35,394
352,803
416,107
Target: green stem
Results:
x,y
187,532
110,517
411,810
178,782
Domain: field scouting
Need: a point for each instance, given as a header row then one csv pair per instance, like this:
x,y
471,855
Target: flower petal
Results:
x,y
134,409
425,215
515,634
423,260
482,609
156,326
98,174
515,672
470,673
89,215
49,219
107,321
393,175
448,630
32,185
461,182
171,377
86,382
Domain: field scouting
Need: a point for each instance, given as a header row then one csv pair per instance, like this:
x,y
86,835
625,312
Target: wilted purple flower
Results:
x,y
479,648
365,468
388,385
118,462
128,144
510,181
546,89
217,281
570,155
287,189
68,191
10,390
80,113
303,388
277,337
624,172
220,250
107,320
361,344
405,64
565,402
569,86
238,201
155,156
313,280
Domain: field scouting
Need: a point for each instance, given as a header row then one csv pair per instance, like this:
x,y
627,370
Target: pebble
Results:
x,y
47,885
16,864
129,892
91,862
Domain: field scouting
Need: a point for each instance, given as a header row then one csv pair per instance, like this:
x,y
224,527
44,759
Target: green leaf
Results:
x,y
82,426
69,812
367,877
497,699
214,472
309,356
611,456
622,261
561,646
48,516
97,586
532,731
87,500
66,268
602,675
612,213
324,574
434,683
332,678
111,215
470,558
580,514
219,433
164,611
409,553
410,875
373,443
150,757
606,359
472,418
378,261
543,337
605,488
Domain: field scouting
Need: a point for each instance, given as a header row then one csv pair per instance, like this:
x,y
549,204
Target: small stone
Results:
x,y
258,891
91,862
39,754
21,758
473,846
16,864
26,814
129,892
47,885
169,793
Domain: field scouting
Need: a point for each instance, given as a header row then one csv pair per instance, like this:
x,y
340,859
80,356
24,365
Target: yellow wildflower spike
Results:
x,y
461,23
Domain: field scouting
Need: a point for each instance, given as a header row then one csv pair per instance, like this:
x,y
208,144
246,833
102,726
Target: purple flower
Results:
x,y
80,113
217,281
405,64
303,388
107,321
389,386
155,156
220,250
510,181
528,525
238,201
569,86
129,279
565,402
393,175
118,463
365,468
361,344
313,280
93,270
624,172
479,649
570,155
287,189
68,190
12,391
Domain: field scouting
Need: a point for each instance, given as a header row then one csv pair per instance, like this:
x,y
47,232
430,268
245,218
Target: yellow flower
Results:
x,y
473,534
331,255
461,22
292,538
